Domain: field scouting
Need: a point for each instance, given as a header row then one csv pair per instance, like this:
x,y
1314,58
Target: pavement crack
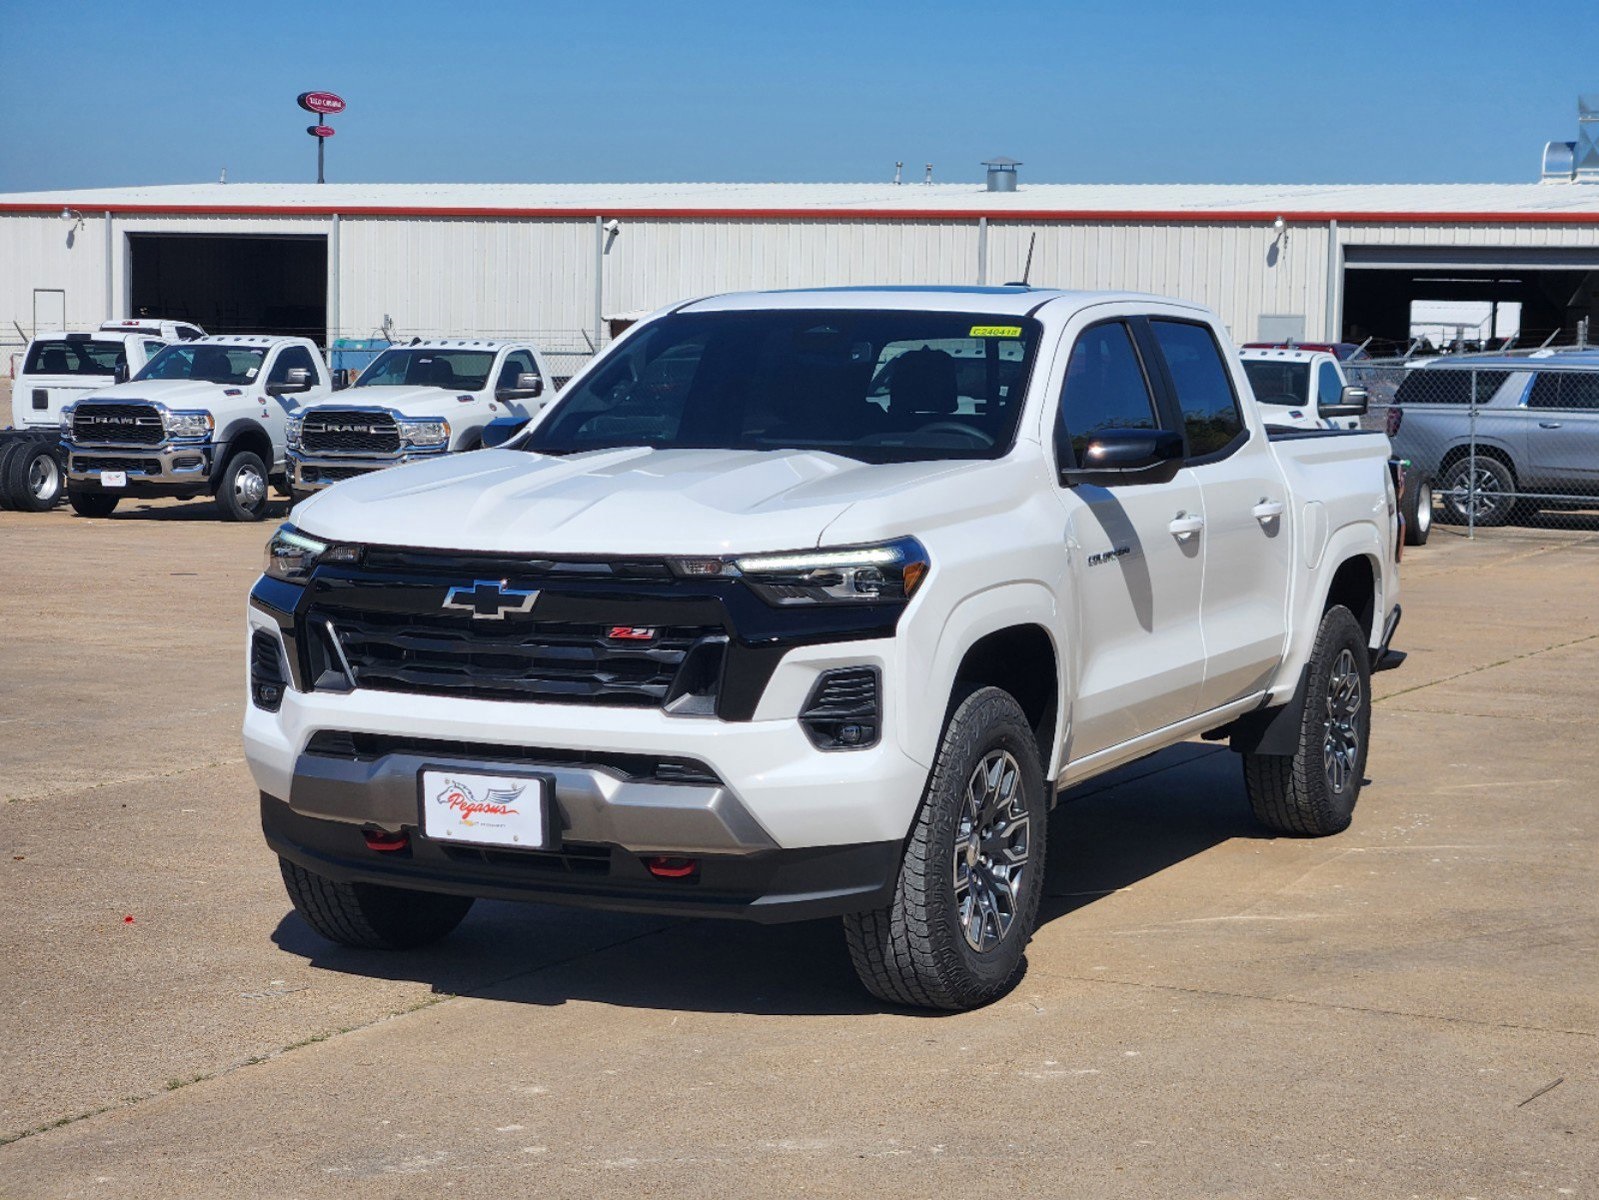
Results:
x,y
145,778
1487,667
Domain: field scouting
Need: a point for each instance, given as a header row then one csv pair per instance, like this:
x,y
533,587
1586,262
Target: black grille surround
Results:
x,y
266,671
348,431
117,424
845,709
116,462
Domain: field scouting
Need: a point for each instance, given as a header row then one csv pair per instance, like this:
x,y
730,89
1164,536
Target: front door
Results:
x,y
1563,431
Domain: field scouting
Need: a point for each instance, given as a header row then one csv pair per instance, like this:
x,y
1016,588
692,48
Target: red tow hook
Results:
x,y
378,839
664,867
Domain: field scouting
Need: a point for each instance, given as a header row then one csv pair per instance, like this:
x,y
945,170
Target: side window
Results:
x,y
1204,390
517,362
290,358
1575,391
1105,386
1329,388
151,349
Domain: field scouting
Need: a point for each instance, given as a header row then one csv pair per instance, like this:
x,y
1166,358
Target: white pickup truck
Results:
x,y
205,417
415,401
809,603
58,368
1302,389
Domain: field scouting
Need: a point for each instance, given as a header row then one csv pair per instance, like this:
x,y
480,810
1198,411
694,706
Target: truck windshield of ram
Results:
x,y
464,369
209,364
877,386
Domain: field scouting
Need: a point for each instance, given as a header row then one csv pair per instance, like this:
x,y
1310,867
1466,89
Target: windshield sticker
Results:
x,y
995,331
250,374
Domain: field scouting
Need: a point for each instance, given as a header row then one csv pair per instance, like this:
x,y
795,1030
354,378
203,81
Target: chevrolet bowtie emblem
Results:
x,y
490,599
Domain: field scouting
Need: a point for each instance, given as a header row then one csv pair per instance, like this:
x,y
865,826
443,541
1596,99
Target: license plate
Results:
x,y
486,810
113,479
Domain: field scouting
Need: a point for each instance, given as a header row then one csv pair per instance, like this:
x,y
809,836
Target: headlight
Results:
x,y
292,430
66,420
188,424
850,575
291,555
424,431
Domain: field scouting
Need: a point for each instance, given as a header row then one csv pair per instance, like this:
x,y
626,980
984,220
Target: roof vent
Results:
x,y
1002,174
1578,161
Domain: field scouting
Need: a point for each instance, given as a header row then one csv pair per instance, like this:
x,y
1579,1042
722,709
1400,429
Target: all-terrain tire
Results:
x,y
92,504
1416,504
1312,792
242,491
7,449
32,479
917,950
370,917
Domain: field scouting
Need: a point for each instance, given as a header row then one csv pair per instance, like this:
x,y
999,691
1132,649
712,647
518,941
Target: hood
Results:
x,y
411,401
633,501
174,393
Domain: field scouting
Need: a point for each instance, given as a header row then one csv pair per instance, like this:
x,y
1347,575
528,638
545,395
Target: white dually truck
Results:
x,y
813,603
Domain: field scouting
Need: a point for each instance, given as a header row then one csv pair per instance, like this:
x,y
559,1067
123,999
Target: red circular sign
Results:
x,y
325,103
320,131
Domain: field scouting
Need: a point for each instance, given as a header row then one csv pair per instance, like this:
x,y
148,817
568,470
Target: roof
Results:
x,y
995,301
1433,202
1259,353
241,339
457,344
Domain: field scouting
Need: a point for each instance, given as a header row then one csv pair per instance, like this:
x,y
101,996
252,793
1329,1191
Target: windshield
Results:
x,y
458,370
73,356
880,386
1282,383
213,364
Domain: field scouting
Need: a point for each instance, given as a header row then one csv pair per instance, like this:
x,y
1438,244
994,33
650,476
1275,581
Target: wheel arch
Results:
x,y
241,437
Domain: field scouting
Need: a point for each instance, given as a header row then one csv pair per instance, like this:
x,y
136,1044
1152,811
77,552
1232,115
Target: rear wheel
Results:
x,y
967,896
7,449
368,916
1477,491
1312,792
1417,507
92,504
242,490
32,478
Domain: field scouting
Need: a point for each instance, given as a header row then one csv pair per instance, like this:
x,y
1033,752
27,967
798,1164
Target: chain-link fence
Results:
x,y
1503,440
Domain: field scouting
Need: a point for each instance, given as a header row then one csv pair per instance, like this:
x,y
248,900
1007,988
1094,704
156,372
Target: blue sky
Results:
x,y
1133,92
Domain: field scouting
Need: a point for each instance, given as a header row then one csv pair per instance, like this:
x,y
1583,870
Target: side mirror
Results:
x,y
1352,403
528,387
121,374
1118,457
298,380
497,433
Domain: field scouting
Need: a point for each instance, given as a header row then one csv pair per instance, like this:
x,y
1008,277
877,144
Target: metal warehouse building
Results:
x,y
558,261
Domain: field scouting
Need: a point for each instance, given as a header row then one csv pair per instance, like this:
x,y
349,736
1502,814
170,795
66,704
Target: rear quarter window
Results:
x,y
1573,391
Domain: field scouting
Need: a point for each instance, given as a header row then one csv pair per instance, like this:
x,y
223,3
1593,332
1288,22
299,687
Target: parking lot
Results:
x,y
1206,1011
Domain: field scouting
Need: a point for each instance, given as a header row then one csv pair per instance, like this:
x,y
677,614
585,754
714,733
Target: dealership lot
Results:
x,y
1206,1009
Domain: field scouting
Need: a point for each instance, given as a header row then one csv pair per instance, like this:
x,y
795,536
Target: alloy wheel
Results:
x,y
1346,695
992,840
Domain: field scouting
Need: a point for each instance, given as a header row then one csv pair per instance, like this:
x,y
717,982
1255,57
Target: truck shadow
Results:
x,y
189,510
1106,836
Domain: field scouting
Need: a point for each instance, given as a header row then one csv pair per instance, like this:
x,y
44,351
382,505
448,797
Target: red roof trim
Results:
x,y
1055,216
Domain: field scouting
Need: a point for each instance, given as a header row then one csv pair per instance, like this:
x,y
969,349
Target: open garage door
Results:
x,y
1532,292
232,283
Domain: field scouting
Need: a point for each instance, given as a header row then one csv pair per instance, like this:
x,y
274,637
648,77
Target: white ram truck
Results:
x,y
415,401
1302,389
58,368
205,417
809,603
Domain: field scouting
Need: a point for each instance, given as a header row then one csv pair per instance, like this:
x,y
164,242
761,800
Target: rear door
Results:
x,y
1248,547
1135,624
1563,431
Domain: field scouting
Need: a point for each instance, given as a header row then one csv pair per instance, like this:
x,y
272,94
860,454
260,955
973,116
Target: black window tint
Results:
x,y
1285,384
1204,391
1448,385
1559,389
73,356
1105,386
1329,388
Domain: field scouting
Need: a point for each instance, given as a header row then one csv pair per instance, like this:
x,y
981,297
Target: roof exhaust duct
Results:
x,y
1001,174
1578,161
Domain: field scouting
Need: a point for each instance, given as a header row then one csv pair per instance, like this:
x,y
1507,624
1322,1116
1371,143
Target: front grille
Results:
x,y
115,462
455,654
571,859
342,431
844,711
135,424
266,671
332,474
369,747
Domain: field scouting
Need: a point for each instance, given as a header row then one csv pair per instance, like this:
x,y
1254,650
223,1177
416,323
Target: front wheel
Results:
x,y
967,896
242,490
1312,792
1477,491
92,504
369,916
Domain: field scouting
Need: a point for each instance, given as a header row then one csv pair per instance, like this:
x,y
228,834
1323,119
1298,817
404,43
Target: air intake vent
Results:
x,y
845,709
266,671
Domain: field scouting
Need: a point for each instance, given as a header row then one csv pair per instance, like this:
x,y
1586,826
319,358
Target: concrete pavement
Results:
x,y
1207,1010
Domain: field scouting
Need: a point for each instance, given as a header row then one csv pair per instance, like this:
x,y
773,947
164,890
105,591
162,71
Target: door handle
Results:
x,y
1268,510
1185,526
1548,424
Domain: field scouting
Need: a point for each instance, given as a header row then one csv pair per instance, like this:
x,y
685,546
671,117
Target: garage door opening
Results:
x,y
1475,298
232,284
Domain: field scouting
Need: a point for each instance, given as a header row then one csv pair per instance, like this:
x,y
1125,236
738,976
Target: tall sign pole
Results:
x,y
324,105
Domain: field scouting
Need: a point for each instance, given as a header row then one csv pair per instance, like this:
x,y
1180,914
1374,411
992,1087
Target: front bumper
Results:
x,y
313,472
172,464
